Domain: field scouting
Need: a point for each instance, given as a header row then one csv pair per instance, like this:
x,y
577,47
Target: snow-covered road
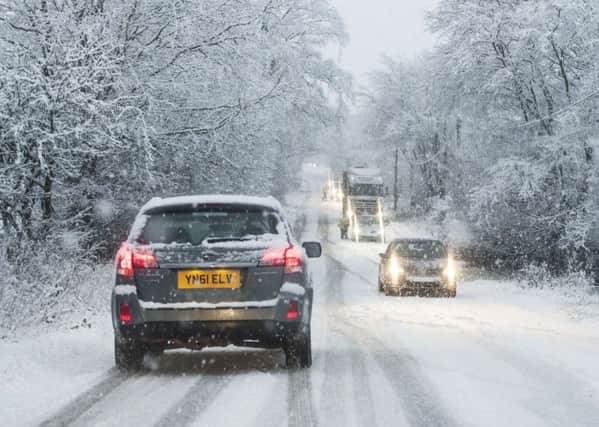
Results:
x,y
496,355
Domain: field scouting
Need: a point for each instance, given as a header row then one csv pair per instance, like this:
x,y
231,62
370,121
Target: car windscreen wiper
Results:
x,y
226,239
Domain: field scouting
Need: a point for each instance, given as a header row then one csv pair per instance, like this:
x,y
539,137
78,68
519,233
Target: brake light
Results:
x,y
293,260
292,310
127,259
144,258
125,312
274,257
124,261
290,258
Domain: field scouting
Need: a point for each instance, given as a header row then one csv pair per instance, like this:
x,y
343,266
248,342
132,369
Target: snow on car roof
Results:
x,y
213,199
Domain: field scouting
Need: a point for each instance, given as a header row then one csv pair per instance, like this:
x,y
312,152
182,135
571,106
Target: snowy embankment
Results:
x,y
63,345
65,294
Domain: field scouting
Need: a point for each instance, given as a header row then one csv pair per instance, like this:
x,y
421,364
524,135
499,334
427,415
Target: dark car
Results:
x,y
417,266
203,271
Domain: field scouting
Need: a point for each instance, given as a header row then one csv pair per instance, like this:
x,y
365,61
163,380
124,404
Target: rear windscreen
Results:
x,y
423,250
201,225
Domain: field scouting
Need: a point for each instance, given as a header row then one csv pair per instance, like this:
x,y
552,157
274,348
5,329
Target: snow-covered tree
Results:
x,y
507,107
106,103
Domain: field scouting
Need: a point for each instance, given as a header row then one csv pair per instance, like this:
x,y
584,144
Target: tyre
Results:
x,y
298,351
387,290
128,354
381,286
451,293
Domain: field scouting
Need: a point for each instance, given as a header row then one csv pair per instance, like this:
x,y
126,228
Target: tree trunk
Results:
x,y
47,209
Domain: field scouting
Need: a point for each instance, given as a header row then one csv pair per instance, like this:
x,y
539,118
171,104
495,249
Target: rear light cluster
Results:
x,y
125,312
290,258
129,258
292,310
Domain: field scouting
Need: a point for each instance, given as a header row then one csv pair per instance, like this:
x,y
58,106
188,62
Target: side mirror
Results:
x,y
382,255
313,249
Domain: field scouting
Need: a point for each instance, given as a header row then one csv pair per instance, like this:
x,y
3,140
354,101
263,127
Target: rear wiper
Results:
x,y
226,239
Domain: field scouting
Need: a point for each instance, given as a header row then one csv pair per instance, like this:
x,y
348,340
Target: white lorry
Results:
x,y
363,203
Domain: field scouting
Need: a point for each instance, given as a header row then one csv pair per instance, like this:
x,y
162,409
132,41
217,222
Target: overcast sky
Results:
x,y
376,27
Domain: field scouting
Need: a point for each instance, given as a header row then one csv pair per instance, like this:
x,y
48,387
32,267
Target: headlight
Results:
x,y
450,270
395,270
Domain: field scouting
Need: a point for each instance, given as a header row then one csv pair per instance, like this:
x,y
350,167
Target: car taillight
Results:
x,y
125,312
274,257
290,258
128,258
293,260
292,310
124,261
144,258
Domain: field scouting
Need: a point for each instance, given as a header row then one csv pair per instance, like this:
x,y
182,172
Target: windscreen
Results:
x,y
205,225
366,190
426,249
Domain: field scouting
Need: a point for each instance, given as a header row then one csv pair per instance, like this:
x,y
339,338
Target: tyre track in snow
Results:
x,y
80,404
363,399
419,400
350,359
216,371
196,400
300,406
323,223
336,361
346,269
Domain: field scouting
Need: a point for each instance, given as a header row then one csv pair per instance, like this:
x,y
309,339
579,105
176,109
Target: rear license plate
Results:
x,y
209,279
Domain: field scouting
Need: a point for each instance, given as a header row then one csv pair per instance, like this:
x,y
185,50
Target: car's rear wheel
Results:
x,y
298,351
451,293
381,286
128,354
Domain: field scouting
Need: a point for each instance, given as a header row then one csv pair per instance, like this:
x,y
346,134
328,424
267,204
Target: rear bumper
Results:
x,y
263,333
208,315
183,325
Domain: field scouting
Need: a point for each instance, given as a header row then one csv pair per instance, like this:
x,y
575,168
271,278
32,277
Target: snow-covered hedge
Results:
x,y
46,284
